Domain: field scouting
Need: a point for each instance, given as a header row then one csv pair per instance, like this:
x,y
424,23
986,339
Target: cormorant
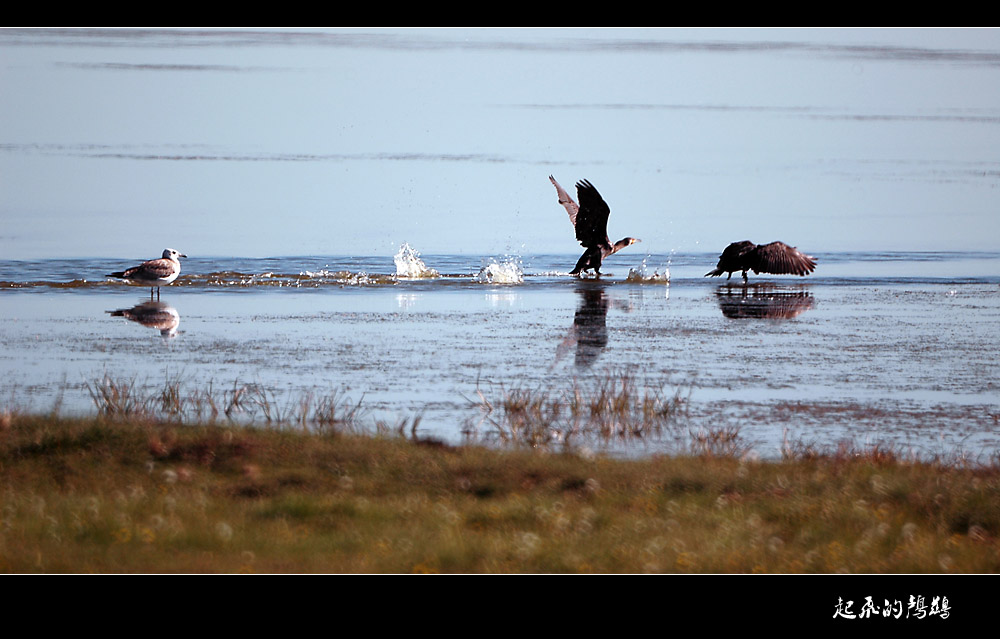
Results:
x,y
776,257
153,273
590,218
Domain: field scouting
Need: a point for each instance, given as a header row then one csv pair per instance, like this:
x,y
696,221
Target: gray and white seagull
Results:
x,y
153,273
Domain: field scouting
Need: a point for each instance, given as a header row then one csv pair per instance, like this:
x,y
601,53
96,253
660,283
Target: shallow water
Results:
x,y
894,349
331,148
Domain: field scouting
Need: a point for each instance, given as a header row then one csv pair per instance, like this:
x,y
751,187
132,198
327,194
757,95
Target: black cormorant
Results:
x,y
776,258
590,218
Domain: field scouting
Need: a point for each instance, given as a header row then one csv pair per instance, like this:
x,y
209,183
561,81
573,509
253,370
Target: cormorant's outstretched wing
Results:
x,y
568,203
779,258
592,219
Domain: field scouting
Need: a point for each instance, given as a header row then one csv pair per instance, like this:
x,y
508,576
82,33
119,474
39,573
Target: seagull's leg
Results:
x,y
745,278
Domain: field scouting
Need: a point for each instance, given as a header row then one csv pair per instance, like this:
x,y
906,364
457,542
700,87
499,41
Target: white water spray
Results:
x,y
409,264
643,276
508,271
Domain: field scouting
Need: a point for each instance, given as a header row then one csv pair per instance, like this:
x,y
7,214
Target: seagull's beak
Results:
x,y
182,255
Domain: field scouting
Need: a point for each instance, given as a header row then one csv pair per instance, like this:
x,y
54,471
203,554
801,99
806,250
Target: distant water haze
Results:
x,y
257,143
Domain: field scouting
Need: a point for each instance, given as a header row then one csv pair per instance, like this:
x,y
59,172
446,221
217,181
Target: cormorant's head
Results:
x,y
622,243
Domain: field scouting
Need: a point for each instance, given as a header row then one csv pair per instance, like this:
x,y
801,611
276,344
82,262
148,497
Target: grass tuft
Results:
x,y
611,408
175,402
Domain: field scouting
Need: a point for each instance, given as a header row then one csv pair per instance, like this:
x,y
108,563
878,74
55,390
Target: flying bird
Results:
x,y
153,273
776,258
590,219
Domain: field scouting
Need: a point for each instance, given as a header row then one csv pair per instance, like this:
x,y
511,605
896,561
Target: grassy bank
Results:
x,y
137,495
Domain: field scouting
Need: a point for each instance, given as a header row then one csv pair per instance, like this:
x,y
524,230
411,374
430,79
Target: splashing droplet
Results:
x,y
409,264
508,271
642,275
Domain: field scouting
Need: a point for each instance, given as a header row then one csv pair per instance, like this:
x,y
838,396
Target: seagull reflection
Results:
x,y
589,332
762,302
158,315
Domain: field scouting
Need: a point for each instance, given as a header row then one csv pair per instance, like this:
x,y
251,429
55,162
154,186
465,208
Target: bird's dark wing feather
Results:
x,y
779,258
151,270
735,252
592,219
158,268
568,203
734,257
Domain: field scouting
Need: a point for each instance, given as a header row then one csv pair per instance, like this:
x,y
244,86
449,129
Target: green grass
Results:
x,y
127,493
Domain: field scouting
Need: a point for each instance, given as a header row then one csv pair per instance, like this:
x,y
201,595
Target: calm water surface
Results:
x,y
896,349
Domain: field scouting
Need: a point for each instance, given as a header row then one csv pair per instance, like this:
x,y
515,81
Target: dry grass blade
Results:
x,y
336,412
116,398
243,403
613,407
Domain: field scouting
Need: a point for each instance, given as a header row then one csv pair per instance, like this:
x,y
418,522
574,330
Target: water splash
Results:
x,y
409,264
641,275
508,271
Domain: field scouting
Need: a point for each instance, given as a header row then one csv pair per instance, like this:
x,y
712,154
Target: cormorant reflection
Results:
x,y
152,314
762,302
589,331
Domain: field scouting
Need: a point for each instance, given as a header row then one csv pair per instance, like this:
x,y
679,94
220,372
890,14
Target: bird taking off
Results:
x,y
777,258
590,219
153,273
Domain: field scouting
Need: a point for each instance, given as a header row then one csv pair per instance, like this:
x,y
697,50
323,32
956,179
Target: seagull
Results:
x,y
153,273
776,258
590,219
